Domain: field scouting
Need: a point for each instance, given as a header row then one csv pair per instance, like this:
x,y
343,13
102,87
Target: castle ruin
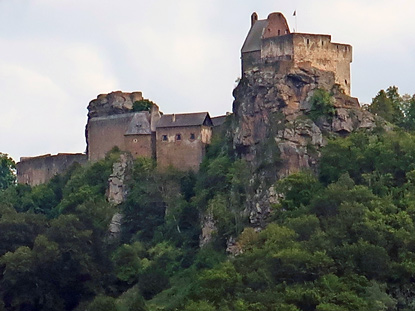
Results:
x,y
270,41
180,140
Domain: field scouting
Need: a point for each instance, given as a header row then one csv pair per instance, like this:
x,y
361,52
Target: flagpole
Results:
x,y
296,27
295,15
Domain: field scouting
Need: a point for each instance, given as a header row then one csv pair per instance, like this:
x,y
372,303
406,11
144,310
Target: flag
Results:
x,y
295,13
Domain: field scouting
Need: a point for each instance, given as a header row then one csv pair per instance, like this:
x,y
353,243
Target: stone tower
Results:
x,y
270,41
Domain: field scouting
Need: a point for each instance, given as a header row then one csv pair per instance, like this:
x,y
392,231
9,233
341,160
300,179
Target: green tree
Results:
x,y
7,171
142,105
321,105
388,105
102,303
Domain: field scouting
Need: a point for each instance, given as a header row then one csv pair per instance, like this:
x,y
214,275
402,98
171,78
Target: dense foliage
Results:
x,y
7,174
322,105
341,240
142,105
394,108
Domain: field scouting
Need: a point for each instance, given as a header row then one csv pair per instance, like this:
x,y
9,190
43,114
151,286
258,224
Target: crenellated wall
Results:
x,y
311,50
270,42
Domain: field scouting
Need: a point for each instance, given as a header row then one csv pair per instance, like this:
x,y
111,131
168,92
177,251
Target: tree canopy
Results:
x,y
341,239
7,171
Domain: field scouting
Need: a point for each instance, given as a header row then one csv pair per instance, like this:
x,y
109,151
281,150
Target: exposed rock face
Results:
x,y
113,103
115,226
273,130
117,190
208,229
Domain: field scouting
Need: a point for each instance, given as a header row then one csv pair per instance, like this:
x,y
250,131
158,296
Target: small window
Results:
x,y
192,136
164,137
279,32
308,41
135,140
345,81
178,137
322,43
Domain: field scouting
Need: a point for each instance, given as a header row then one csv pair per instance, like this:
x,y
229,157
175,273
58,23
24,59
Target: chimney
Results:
x,y
173,117
254,18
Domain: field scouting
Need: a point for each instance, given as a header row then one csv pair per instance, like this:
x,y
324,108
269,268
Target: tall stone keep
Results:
x,y
270,41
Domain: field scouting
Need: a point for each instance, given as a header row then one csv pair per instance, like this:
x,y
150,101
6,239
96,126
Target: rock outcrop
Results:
x,y
208,226
113,103
274,131
117,190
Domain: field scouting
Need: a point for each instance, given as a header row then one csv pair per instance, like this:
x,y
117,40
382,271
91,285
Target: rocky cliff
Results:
x,y
117,190
279,129
113,103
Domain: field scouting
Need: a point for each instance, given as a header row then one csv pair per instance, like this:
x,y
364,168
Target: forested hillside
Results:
x,y
341,239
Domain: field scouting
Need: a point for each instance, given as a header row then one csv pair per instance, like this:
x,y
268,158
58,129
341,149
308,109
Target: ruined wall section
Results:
x,y
321,53
110,124
185,153
311,50
105,133
277,48
249,60
38,170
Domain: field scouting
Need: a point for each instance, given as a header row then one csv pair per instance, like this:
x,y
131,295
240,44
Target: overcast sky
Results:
x,y
58,55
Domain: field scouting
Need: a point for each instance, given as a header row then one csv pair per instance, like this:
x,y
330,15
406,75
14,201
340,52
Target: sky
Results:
x,y
58,55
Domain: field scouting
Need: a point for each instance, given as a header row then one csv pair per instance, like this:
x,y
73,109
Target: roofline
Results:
x,y
186,113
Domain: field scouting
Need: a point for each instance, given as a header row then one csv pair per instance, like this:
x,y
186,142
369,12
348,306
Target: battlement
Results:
x,y
266,42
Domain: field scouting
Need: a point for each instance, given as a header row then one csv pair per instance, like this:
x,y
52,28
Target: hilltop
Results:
x,y
301,199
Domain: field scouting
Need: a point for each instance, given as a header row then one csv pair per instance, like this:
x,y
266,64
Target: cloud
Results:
x,y
46,93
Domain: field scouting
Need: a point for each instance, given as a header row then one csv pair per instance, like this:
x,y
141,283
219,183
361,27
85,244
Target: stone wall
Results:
x,y
139,145
38,170
323,54
277,26
105,133
311,50
109,117
186,153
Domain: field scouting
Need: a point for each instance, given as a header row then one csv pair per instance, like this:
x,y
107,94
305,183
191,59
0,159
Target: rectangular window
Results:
x,y
178,137
164,137
192,136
